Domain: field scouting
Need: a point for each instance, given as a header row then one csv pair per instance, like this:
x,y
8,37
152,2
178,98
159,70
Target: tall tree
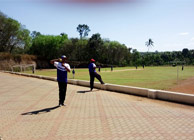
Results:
x,y
135,57
95,43
12,34
34,34
48,46
149,43
185,52
83,30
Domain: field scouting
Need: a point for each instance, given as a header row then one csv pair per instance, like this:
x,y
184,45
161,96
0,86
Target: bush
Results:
x,y
7,60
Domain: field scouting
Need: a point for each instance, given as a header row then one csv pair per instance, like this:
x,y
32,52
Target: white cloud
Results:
x,y
183,33
174,45
192,39
190,44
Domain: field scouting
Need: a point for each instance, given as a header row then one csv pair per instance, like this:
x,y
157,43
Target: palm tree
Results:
x,y
149,43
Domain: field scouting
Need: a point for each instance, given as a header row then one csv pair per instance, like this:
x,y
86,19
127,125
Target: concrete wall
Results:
x,y
150,93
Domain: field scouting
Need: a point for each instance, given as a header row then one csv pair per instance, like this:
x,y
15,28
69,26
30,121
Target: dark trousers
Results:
x,y
62,91
92,77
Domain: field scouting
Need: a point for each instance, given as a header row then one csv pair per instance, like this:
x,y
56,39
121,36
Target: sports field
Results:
x,y
150,77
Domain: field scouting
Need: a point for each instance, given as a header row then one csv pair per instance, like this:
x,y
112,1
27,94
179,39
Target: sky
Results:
x,y
169,23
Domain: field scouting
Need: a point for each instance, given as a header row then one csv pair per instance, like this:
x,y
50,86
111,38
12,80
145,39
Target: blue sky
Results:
x,y
170,23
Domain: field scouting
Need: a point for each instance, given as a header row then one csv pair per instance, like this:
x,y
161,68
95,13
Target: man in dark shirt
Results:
x,y
62,69
93,74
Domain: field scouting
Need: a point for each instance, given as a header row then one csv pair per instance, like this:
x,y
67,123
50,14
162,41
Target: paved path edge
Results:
x,y
145,92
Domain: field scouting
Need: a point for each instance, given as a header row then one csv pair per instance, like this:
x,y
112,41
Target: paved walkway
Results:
x,y
28,111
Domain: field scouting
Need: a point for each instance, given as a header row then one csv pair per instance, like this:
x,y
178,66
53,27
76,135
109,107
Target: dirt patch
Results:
x,y
186,86
8,60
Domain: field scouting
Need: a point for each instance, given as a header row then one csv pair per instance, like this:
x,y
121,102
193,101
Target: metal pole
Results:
x,y
177,73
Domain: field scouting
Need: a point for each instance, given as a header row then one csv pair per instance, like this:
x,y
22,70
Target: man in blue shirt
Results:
x,y
93,74
62,69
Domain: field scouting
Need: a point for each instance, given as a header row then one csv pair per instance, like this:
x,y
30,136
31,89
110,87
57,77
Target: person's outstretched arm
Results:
x,y
54,60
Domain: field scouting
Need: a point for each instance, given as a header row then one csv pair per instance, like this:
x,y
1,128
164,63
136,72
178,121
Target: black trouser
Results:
x,y
92,76
62,91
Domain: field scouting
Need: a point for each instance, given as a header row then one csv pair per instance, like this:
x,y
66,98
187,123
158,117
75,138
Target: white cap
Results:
x,y
63,57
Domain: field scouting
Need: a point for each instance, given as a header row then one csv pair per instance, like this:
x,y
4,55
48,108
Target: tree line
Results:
x,y
16,39
184,57
81,50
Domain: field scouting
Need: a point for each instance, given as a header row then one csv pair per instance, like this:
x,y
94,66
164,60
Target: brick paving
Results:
x,y
28,111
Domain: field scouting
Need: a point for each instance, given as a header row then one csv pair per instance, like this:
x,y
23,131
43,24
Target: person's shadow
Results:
x,y
84,91
46,110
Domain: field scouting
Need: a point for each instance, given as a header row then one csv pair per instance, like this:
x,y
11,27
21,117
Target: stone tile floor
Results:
x,y
29,111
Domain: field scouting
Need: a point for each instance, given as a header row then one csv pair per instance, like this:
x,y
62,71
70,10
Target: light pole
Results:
x,y
176,62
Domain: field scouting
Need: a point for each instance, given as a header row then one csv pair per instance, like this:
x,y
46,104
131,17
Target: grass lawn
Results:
x,y
150,77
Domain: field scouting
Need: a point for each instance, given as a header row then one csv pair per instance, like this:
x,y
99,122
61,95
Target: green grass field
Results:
x,y
150,77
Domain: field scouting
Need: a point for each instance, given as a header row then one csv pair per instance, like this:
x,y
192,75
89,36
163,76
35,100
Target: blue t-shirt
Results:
x,y
91,67
61,72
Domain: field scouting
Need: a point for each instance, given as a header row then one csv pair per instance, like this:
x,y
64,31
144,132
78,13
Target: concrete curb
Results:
x,y
145,92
